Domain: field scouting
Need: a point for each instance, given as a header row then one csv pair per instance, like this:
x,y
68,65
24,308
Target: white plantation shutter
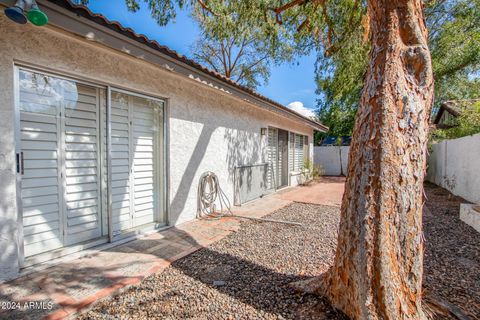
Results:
x,y
136,159
145,133
298,160
272,157
41,181
60,182
121,159
82,186
291,151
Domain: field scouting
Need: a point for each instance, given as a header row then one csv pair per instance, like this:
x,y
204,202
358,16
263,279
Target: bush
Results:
x,y
311,170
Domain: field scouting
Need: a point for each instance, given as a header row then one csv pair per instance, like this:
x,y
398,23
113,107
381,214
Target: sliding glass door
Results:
x,y
66,169
137,165
60,162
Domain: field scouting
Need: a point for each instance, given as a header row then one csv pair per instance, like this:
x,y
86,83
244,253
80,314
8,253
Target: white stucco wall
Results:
x,y
8,206
455,165
209,130
333,159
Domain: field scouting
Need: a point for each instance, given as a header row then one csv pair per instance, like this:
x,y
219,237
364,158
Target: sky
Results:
x,y
290,84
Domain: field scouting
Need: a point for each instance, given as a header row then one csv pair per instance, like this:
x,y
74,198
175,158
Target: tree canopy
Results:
x,y
454,41
286,28
242,55
338,31
241,59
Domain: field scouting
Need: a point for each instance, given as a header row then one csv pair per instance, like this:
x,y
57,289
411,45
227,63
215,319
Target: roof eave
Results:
x,y
170,55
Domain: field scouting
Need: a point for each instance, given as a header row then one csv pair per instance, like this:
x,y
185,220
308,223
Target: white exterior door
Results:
x,y
60,162
272,157
137,127
63,162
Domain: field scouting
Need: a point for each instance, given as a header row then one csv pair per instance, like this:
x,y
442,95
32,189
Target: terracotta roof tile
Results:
x,y
85,12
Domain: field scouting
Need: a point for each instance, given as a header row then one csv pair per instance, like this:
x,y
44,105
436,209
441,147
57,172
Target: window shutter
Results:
x,y
291,152
272,157
298,165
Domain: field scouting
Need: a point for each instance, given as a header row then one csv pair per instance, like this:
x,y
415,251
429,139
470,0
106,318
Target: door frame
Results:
x,y
162,181
278,184
164,206
283,173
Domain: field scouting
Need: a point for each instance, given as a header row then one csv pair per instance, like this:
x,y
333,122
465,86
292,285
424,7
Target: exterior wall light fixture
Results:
x,y
36,16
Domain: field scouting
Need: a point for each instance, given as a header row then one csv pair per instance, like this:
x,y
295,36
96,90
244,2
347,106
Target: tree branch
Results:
x,y
205,7
207,59
289,5
224,60
240,53
249,67
214,52
305,23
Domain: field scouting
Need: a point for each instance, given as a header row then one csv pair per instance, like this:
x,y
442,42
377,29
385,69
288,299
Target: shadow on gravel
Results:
x,y
452,252
255,285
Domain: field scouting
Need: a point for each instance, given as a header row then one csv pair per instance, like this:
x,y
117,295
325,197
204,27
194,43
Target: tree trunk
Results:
x,y
377,273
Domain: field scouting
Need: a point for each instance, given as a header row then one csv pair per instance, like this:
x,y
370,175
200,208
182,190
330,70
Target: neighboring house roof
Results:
x,y
454,107
100,19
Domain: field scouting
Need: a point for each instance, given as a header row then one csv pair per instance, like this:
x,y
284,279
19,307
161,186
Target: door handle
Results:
x,y
17,156
22,171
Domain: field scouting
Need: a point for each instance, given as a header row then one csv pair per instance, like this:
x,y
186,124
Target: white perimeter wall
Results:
x,y
209,130
333,159
455,165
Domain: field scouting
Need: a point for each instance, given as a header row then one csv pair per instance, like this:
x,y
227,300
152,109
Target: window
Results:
x,y
306,148
299,150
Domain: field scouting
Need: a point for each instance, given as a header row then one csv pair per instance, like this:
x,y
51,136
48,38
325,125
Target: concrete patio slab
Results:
x,y
326,191
74,285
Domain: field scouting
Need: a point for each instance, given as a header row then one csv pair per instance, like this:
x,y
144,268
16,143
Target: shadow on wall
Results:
x,y
178,202
244,148
8,241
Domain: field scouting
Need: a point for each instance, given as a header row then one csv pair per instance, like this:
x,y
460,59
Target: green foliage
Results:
x,y
285,28
454,41
339,78
468,123
311,170
299,24
338,30
243,56
454,37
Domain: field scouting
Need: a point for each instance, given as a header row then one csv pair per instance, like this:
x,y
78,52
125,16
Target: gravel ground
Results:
x,y
256,265
452,252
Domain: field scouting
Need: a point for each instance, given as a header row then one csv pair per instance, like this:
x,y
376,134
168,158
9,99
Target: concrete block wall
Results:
x,y
455,165
333,159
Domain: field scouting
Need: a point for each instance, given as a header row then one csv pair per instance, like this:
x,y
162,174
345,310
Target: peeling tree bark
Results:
x,y
377,273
